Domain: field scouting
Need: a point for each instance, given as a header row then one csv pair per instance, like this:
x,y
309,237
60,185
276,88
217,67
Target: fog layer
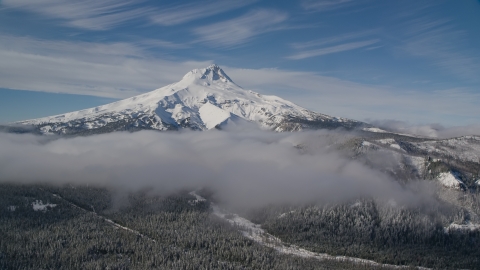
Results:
x,y
244,167
429,130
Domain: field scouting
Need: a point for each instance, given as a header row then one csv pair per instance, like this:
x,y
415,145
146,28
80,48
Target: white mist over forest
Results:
x,y
244,166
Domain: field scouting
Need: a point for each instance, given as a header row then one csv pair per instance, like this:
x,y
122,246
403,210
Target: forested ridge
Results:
x,y
179,232
70,233
383,233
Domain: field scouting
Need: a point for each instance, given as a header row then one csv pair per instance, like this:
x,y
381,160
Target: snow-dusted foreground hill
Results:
x,y
256,233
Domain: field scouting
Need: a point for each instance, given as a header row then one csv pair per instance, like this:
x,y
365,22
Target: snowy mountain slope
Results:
x,y
202,100
453,163
466,148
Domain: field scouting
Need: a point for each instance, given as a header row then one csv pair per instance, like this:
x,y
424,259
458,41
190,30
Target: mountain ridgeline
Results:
x,y
203,99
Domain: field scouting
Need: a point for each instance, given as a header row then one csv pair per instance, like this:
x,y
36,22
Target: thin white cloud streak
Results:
x,y
334,39
115,70
89,14
332,49
325,5
190,12
107,14
243,167
241,29
441,43
157,43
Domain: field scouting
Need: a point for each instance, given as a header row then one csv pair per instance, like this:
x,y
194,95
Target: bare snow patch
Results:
x,y
212,115
11,208
47,130
386,141
450,180
396,146
365,143
373,129
462,227
390,142
38,205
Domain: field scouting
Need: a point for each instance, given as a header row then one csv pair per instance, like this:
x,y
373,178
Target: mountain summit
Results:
x,y
211,73
204,99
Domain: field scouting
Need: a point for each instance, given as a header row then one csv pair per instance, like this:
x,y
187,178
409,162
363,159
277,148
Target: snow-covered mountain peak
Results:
x,y
204,99
210,74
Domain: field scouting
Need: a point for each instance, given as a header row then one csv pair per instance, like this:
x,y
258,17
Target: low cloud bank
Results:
x,y
244,167
429,130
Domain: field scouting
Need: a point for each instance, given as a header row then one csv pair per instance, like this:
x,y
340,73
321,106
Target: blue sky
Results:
x,y
414,61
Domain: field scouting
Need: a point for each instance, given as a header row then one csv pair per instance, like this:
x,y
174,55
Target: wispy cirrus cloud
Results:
x,y
107,14
115,70
325,5
241,29
158,43
439,41
87,14
188,12
335,44
332,49
333,40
